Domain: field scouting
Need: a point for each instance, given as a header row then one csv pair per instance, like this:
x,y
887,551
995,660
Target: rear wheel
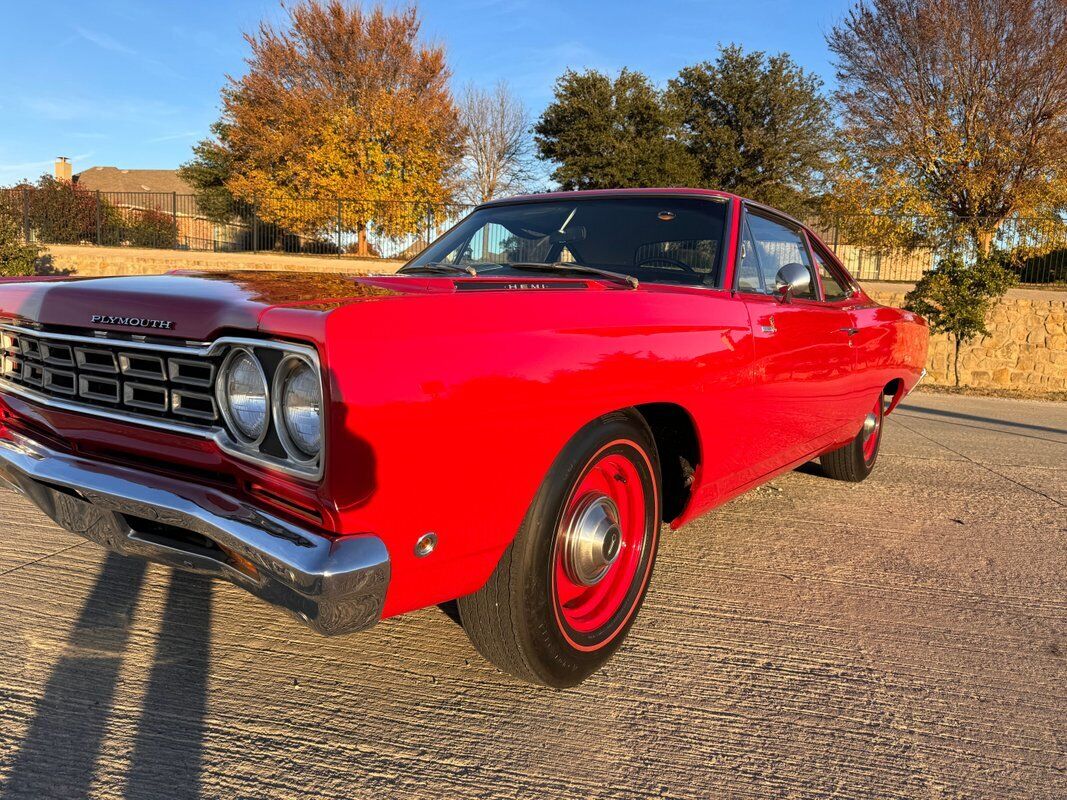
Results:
x,y
855,460
567,590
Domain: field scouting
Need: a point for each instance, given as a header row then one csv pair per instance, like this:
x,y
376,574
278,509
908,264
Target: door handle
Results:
x,y
850,331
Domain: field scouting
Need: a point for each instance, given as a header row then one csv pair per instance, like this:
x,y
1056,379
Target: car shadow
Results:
x,y
168,750
60,749
957,415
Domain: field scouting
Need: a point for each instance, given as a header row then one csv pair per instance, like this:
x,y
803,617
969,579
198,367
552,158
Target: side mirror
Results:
x,y
791,279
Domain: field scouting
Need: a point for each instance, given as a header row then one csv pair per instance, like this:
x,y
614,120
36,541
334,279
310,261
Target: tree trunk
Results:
x,y
983,232
361,244
956,360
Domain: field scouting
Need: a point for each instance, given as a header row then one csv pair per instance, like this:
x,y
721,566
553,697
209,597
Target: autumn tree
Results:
x,y
755,124
959,106
498,149
605,133
339,102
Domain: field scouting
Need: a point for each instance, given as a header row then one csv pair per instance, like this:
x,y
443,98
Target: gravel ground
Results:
x,y
900,638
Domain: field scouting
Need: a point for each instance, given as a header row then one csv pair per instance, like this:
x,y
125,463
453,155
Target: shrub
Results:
x,y
152,229
955,297
62,213
16,258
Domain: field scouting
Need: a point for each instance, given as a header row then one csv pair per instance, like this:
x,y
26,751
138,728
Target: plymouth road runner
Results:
x,y
506,422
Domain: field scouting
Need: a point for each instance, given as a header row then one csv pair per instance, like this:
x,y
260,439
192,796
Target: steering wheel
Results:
x,y
674,262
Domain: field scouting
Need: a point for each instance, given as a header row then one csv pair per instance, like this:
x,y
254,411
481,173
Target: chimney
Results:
x,y
64,170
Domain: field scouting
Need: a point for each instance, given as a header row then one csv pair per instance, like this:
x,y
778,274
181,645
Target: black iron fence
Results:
x,y
873,247
902,248
382,229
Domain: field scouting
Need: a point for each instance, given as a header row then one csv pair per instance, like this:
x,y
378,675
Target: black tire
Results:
x,y
514,621
855,461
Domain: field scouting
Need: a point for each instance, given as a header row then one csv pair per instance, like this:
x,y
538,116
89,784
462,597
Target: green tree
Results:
x,y
756,125
208,172
604,134
956,297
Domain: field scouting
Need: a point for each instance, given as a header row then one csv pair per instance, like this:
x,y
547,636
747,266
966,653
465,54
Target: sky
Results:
x,y
135,83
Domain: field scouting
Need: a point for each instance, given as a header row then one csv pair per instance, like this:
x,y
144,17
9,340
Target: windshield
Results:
x,y
660,239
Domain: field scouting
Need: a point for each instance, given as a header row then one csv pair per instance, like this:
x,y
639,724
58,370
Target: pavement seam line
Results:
x,y
42,558
980,464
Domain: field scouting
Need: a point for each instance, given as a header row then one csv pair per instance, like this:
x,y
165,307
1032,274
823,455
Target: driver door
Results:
x,y
803,355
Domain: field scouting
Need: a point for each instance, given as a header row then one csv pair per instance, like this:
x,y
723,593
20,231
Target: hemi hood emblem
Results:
x,y
132,322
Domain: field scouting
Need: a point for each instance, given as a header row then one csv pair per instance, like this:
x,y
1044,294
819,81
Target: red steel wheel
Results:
x,y
569,586
872,430
600,546
854,461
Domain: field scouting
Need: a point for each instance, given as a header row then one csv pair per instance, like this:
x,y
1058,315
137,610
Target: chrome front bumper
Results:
x,y
336,586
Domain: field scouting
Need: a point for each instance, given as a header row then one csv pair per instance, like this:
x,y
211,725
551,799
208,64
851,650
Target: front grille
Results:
x,y
158,381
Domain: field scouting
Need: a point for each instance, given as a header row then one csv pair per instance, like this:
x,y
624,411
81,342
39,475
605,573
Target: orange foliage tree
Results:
x,y
345,103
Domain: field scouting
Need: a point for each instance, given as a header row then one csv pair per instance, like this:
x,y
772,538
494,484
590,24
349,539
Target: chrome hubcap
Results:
x,y
591,540
870,424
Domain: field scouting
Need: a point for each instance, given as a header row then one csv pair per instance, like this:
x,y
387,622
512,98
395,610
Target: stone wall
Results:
x,y
1025,351
92,261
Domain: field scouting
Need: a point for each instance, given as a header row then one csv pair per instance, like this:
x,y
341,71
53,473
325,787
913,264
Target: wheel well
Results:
x,y
894,390
676,440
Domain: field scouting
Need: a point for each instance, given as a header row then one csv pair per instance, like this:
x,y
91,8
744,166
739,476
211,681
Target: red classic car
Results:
x,y
507,421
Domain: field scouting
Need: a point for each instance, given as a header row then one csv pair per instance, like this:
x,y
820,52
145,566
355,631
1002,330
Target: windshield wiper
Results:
x,y
573,266
440,267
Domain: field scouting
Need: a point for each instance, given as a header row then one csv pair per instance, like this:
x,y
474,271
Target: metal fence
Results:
x,y
386,229
903,248
873,247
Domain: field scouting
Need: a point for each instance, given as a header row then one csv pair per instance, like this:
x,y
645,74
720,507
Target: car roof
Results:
x,y
642,192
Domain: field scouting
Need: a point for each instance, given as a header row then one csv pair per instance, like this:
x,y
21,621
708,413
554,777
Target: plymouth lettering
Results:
x,y
132,322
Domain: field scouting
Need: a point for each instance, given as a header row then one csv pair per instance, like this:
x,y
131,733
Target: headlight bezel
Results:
x,y
283,373
270,453
222,396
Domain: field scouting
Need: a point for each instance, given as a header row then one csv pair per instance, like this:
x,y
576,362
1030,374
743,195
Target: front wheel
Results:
x,y
855,460
567,589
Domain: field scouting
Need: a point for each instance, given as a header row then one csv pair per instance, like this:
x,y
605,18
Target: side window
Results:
x,y
833,287
775,246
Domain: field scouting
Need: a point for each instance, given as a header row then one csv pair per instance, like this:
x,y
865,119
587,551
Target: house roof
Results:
x,y
113,179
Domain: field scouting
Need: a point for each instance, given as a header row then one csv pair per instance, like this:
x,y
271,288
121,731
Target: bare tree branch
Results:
x,y
499,149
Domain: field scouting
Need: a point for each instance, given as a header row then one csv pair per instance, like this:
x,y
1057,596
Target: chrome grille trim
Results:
x,y
91,359
186,404
20,350
142,365
189,371
145,395
90,386
64,365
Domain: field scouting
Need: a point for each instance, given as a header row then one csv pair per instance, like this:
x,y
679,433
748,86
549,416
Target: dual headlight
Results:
x,y
291,398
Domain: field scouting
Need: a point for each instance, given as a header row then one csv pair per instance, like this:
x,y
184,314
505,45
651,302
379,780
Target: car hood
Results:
x,y
202,305
190,305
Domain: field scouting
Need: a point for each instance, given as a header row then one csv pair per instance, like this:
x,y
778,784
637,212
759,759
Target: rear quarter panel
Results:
x,y
891,344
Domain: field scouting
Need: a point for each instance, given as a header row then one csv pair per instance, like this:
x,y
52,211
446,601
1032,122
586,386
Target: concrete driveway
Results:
x,y
901,638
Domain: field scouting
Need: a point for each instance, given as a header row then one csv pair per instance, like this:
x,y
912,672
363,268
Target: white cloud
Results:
x,y
105,42
171,137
